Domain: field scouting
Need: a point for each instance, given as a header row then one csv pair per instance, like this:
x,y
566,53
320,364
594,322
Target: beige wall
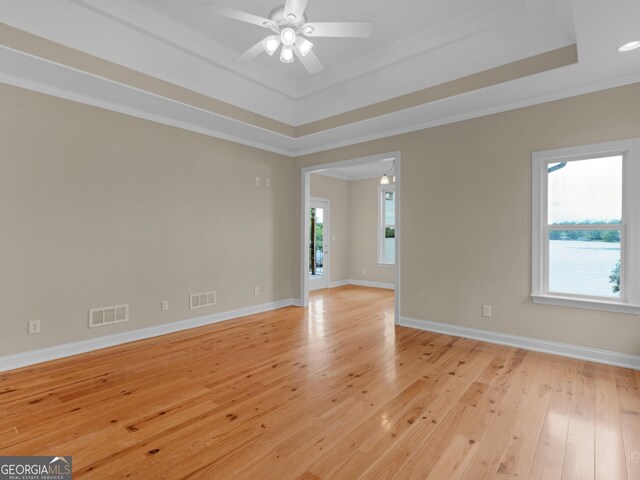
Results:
x,y
97,209
363,233
337,191
475,176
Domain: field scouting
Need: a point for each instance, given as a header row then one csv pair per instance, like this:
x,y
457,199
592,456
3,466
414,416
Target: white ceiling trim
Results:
x,y
166,49
34,73
400,78
96,34
411,120
147,21
473,22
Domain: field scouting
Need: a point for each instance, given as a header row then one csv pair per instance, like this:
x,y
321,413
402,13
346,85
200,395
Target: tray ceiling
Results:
x,y
417,45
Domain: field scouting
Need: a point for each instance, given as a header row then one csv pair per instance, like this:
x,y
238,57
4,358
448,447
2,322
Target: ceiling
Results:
x,y
109,53
395,23
374,169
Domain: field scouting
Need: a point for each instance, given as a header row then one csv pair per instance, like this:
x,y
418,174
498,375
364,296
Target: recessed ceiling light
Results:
x,y
627,47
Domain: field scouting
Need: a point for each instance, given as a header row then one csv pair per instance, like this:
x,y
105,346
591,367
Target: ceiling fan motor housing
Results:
x,y
280,21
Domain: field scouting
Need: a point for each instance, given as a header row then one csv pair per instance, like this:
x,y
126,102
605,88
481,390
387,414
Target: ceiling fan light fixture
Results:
x,y
271,44
286,55
289,27
288,36
304,46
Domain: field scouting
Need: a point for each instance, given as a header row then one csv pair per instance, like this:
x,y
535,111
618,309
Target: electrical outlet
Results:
x,y
257,181
256,291
486,311
267,182
34,327
165,305
364,271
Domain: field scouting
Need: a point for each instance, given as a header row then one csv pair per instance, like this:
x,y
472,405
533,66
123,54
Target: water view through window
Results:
x,y
584,226
583,267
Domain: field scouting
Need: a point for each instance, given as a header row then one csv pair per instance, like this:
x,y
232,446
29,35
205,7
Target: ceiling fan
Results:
x,y
289,25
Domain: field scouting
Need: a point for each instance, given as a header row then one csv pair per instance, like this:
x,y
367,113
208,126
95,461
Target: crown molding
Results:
x,y
170,51
40,75
412,120
148,21
34,73
471,22
89,32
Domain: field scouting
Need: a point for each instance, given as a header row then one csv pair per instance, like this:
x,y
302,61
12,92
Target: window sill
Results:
x,y
388,265
587,304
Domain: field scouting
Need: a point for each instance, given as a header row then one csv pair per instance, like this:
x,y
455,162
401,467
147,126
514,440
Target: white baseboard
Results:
x,y
18,360
362,283
527,343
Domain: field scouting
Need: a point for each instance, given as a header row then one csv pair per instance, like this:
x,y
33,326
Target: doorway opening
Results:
x,y
350,228
319,255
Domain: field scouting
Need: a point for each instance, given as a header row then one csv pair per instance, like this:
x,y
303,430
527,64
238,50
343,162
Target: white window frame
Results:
x,y
382,225
629,301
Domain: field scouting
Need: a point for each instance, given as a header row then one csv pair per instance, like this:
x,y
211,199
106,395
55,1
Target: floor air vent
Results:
x,y
99,317
199,300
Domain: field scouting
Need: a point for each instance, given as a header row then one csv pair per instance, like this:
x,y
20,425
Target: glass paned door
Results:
x,y
319,244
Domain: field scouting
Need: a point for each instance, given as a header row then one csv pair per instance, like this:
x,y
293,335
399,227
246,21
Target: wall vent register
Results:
x,y
201,300
99,317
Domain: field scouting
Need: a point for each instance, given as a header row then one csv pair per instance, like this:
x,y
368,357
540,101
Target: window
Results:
x,y
586,220
386,225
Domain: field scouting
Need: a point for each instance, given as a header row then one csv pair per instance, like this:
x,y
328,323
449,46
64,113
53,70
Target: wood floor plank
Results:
x,y
548,457
609,446
629,408
579,461
335,391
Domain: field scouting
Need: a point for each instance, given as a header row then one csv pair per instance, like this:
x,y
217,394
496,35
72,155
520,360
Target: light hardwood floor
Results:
x,y
333,392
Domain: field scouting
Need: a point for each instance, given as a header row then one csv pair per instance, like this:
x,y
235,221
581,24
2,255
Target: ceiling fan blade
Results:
x,y
250,54
237,15
309,61
339,29
295,7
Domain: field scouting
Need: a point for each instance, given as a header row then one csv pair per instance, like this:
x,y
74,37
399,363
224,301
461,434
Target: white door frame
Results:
x,y
326,244
306,205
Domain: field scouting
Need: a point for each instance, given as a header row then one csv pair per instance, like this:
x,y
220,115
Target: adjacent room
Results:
x,y
319,239
351,225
